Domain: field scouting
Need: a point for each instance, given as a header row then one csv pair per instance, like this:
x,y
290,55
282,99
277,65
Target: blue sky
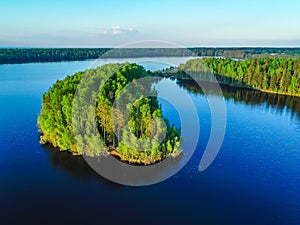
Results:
x,y
112,23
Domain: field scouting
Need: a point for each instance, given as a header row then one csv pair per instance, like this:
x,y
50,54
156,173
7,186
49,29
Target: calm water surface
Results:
x,y
255,178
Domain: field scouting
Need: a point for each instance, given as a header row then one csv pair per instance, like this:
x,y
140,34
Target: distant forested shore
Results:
x,y
29,55
274,75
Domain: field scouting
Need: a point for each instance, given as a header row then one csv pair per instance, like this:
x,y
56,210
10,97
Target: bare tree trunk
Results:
x,y
114,140
104,136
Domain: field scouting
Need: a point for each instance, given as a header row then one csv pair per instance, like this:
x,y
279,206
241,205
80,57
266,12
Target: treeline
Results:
x,y
280,75
124,135
27,55
247,53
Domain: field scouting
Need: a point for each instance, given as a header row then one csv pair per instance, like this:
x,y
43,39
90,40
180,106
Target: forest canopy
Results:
x,y
278,75
57,127
27,55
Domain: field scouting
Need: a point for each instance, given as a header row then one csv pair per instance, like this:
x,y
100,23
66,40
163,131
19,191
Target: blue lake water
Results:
x,y
255,178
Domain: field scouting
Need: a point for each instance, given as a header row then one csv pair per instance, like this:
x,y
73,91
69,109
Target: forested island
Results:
x,y
275,75
55,119
28,55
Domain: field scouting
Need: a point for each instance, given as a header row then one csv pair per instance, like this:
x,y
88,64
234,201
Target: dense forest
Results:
x,y
56,124
247,53
279,75
27,55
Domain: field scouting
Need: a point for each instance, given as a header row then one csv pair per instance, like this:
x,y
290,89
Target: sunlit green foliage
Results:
x,y
55,120
280,75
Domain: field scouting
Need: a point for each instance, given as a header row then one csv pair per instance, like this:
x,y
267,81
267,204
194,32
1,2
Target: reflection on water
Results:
x,y
283,106
73,165
277,102
296,124
78,167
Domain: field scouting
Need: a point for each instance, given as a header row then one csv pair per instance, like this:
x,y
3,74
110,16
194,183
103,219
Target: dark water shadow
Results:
x,y
74,166
77,166
249,96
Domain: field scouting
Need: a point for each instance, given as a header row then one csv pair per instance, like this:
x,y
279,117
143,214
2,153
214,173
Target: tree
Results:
x,y
56,124
269,74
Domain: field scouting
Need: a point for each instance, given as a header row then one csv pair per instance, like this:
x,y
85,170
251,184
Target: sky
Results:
x,y
115,23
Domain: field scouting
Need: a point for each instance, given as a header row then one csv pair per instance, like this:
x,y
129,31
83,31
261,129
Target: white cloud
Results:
x,y
85,37
118,30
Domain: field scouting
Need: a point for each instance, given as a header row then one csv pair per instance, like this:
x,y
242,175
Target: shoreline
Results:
x,y
49,146
261,90
236,86
121,159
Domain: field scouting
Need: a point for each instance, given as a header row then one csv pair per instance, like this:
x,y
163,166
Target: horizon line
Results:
x,y
109,47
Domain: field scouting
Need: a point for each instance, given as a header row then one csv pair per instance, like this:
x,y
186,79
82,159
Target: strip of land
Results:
x,y
272,75
30,55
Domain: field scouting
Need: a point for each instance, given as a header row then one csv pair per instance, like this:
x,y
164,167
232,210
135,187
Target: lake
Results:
x,y
255,178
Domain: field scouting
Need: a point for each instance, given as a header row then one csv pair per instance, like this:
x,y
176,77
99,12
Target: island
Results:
x,y
56,128
274,75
